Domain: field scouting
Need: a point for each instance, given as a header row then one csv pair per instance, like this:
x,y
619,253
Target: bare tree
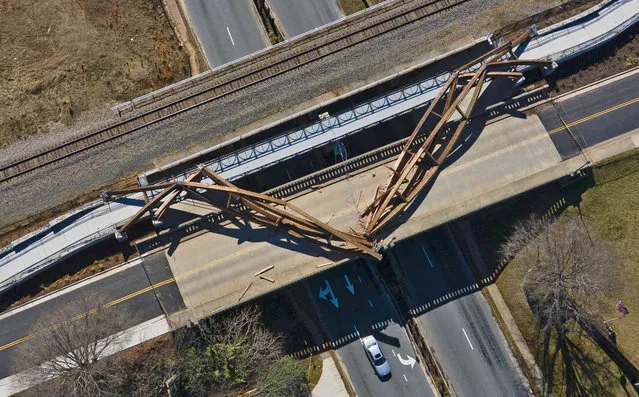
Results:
x,y
62,355
566,267
566,270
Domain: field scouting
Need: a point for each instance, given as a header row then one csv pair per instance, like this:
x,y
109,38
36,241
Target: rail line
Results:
x,y
331,40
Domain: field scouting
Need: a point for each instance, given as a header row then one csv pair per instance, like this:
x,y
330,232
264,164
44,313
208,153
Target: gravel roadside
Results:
x,y
241,112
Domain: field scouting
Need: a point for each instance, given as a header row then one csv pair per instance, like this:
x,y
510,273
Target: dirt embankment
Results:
x,y
62,58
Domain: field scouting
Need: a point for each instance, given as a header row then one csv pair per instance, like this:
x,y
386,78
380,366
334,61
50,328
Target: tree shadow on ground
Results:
x,y
573,364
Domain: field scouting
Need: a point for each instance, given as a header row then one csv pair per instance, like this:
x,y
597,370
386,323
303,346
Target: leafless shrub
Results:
x,y
67,343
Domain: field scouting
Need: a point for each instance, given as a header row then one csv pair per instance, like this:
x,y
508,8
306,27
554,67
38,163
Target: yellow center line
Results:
x,y
238,253
594,115
143,290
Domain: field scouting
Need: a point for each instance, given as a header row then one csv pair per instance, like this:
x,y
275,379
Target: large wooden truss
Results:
x,y
249,206
418,164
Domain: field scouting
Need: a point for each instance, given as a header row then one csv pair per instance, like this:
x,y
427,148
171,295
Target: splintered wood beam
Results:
x,y
304,219
494,74
451,94
390,192
402,159
236,191
397,209
173,195
256,206
423,180
288,230
147,207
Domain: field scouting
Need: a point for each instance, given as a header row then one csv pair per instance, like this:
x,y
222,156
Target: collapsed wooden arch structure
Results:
x,y
249,206
414,169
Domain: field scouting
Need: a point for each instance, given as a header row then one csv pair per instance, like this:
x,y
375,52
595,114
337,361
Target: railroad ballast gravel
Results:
x,y
224,118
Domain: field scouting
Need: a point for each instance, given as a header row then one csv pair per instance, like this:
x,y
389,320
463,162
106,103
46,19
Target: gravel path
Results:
x,y
222,119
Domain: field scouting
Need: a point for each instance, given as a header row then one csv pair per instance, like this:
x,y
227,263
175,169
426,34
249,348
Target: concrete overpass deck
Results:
x,y
214,264
213,269
223,267
558,42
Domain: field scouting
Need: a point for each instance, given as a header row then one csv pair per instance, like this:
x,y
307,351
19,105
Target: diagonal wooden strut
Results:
x,y
253,207
415,167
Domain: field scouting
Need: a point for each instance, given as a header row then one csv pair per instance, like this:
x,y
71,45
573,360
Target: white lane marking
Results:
x,y
229,32
393,350
468,339
427,257
370,303
405,378
360,280
357,332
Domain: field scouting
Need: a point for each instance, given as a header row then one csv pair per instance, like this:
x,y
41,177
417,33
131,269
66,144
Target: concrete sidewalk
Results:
x,y
131,337
330,383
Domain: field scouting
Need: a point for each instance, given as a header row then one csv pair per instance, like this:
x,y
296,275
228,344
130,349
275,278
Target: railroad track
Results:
x,y
285,58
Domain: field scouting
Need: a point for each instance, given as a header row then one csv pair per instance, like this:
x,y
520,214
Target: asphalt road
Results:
x,y
139,308
615,106
295,17
226,29
455,317
367,310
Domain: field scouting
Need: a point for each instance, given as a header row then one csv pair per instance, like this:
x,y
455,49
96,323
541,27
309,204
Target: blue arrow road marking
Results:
x,y
426,253
323,292
349,286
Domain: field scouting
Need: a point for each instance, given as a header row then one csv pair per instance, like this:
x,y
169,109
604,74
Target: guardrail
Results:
x,y
55,257
596,42
606,8
330,174
605,12
33,253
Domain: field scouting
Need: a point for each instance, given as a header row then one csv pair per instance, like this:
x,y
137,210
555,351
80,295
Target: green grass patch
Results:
x,y
313,366
611,208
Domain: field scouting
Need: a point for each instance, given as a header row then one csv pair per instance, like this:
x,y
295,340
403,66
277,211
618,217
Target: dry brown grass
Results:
x,y
352,6
61,58
616,56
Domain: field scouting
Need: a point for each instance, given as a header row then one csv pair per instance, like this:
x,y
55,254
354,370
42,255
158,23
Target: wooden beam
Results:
x,y
390,192
304,219
147,207
171,197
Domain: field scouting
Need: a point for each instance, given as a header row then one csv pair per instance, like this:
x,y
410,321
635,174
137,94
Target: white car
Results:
x,y
376,357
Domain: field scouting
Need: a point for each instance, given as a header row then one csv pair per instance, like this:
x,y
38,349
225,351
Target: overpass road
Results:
x,y
226,29
350,302
455,317
210,269
295,17
581,121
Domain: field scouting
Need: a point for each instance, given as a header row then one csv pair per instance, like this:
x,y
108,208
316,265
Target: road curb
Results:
x,y
514,336
343,373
